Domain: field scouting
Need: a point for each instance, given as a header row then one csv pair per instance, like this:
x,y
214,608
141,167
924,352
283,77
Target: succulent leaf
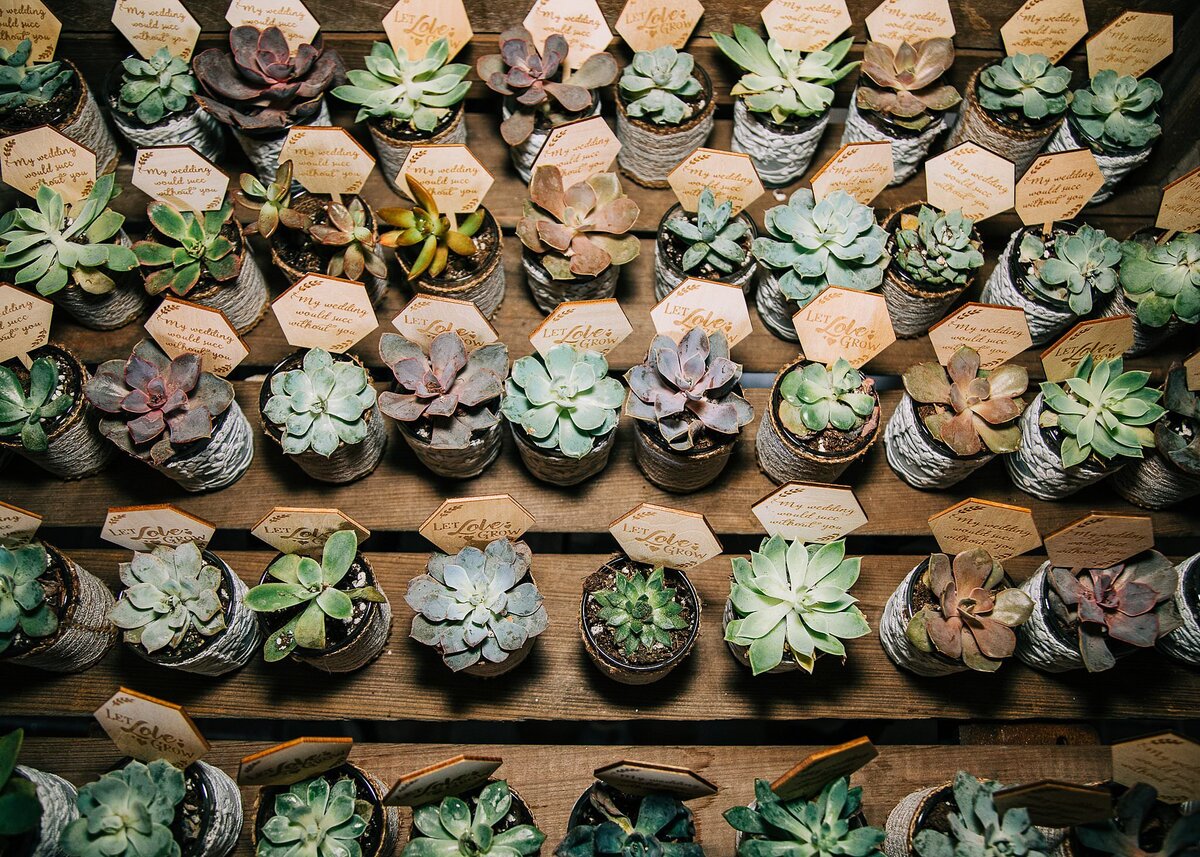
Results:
x,y
641,610
23,85
658,86
321,405
23,607
189,247
980,829
454,827
155,88
418,93
315,819
1027,85
1117,111
423,224
663,825
938,249
25,414
1071,268
127,813
823,826
1162,280
814,397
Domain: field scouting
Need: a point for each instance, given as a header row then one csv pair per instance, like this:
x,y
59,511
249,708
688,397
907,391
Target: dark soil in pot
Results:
x,y
672,247
364,788
57,111
402,132
935,812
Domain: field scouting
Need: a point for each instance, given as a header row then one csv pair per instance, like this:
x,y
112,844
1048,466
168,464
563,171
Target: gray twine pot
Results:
x,y
920,460
548,292
668,276
679,472
464,463
907,152
1184,642
221,826
742,653
1036,467
1145,337
124,304
650,152
780,157
392,152
263,149
86,126
1019,145
1114,166
775,309
893,624
220,462
902,821
551,466
484,287
198,129
1155,483
244,301
913,306
57,797
1038,646
1005,288
525,154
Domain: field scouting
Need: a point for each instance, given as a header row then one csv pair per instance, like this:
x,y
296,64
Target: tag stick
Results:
x,y
336,197
1047,228
1166,236
25,359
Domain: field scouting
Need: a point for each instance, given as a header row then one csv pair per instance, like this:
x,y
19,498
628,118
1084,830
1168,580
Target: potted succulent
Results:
x,y
261,88
45,418
936,256
790,603
49,245
203,258
490,819
1088,617
407,102
901,99
329,614
180,420
607,821
573,251
1184,642
820,419
710,243
562,410
831,824
810,245
1074,435
321,409
952,420
638,622
687,408
1160,287
1140,823
1013,106
35,805
665,109
151,104
1170,472
182,607
480,609
782,101
540,90
448,401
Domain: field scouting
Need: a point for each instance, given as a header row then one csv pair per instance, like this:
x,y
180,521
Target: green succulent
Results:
x,y
1178,436
1103,410
22,84
322,405
168,592
816,397
192,246
127,813
1026,85
313,819
156,87
451,829
799,827
1117,111
980,829
1071,267
641,609
418,93
1163,280
664,827
713,238
1137,825
272,201
20,809
23,415
658,84
938,248
23,606
423,225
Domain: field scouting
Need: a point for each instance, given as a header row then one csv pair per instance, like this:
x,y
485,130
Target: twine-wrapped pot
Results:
x,y
193,126
1039,645
550,465
392,151
483,286
213,463
679,472
263,148
244,301
1008,286
901,825
465,463
1155,482
650,152
918,458
742,653
1019,144
775,309
548,292
893,637
1115,165
526,153
1145,337
111,310
1184,642
914,306
668,276
221,811
780,155
908,151
1036,467
57,797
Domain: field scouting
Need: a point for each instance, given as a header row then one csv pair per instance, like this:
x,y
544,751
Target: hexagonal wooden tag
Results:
x,y
153,24
413,25
425,316
1133,43
326,159
292,17
579,149
1100,541
860,169
43,156
642,778
805,25
147,728
454,177
1050,27
649,24
17,526
581,21
1002,530
1179,210
657,535
290,529
26,323
1057,186
599,325
998,333
143,528
1052,803
972,179
181,176
894,22
180,327
818,770
29,19
703,303
1103,338
449,777
810,511
844,323
462,521
1192,367
1168,761
293,761
730,175
325,312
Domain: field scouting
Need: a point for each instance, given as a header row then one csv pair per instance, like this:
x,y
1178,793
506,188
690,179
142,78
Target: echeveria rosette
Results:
x,y
451,829
712,237
189,246
314,819
815,397
1162,280
1072,268
1135,827
980,829
22,414
664,827
1118,111
156,87
801,827
658,85
641,610
320,406
902,85
23,606
415,92
938,248
127,813
1028,84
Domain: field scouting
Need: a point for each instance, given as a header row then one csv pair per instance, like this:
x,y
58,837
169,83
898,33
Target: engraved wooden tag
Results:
x,y
703,303
148,728
17,526
450,777
43,156
153,24
289,529
1052,803
26,323
971,179
1179,210
812,774
844,323
806,25
325,312
1167,761
452,175
326,159
1050,27
1100,541
649,24
292,17
860,169
1103,338
599,325
1133,43
181,326
580,21
641,778
657,535
29,19
998,333
1002,530
730,175
1192,367
896,21
413,25
579,149
810,511
462,521
142,528
293,761
425,317
180,176
1057,186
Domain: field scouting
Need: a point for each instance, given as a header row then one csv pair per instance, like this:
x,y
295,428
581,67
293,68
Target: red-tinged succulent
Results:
x,y
272,201
346,228
905,90
425,226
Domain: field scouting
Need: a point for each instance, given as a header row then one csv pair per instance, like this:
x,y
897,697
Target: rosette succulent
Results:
x,y
664,827
127,813
417,93
272,201
658,86
938,248
980,829
346,229
1025,85
1178,434
155,88
1141,823
22,84
820,827
1072,268
189,247
712,238
314,819
1117,111
641,610
451,829
1162,280
320,406
815,397
24,415
23,607
20,808
903,86
424,225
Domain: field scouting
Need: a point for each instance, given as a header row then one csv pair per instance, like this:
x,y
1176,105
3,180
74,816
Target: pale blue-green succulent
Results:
x,y
658,86
23,606
314,819
127,813
322,405
800,827
980,829
415,92
451,829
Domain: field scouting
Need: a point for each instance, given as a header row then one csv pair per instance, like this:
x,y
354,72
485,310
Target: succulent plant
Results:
x,y
23,415
906,90
664,827
786,84
980,829
974,612
713,237
658,85
261,84
1027,85
799,827
127,813
815,397
1136,826
794,599
451,829
346,229
834,242
20,809
578,231
314,819
23,607
321,405
418,93
272,201
194,248
1163,280
1072,267
1103,410
168,592
477,605
154,88
1178,435
1117,111
423,224
938,249
641,610
57,243
539,84
978,408
22,84
564,401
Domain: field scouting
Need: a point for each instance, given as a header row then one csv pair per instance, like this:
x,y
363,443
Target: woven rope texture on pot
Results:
x,y
1184,642
392,153
1045,322
1019,145
1152,483
899,824
57,797
526,153
550,465
366,647
548,293
1037,644
649,152
85,635
263,152
917,459
679,472
221,462
464,463
198,129
1114,167
1036,467
907,152
349,461
225,822
245,301
779,158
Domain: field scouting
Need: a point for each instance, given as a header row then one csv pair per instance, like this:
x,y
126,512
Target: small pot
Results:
x,y
919,458
219,805
57,797
742,653
526,153
1018,142
465,463
649,151
668,275
910,815
1159,817
548,292
518,813
1184,642
584,814
263,148
1036,467
193,126
550,465
393,145
680,472
1114,165
610,658
780,153
893,626
914,306
124,304
482,280
909,148
1156,482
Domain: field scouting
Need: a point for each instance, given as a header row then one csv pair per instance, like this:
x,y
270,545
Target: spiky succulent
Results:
x,y
127,813
785,84
564,401
424,225
20,809
800,827
451,829
168,592
537,85
578,231
155,88
1178,434
261,84
793,599
191,247
712,237
641,610
659,84
664,827
322,405
1025,85
980,829
1072,268
56,243
23,607
1117,111
1103,411
452,392
974,611
973,408
1139,824
22,84
938,248
23,415
1163,280
418,93
834,242
272,201
906,91
814,397
314,819
346,229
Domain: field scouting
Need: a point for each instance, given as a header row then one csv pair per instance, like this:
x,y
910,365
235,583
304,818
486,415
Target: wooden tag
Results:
x,y
26,323
599,325
1057,186
860,169
1192,367
451,777
293,761
1179,210
43,156
730,175
1050,27
844,323
581,21
1167,761
805,25
897,21
289,529
820,769
413,25
29,19
1100,541
1002,530
1103,338
579,149
325,312
180,326
998,333
463,521
181,176
971,179
17,526
452,175
703,303
425,317
326,159
1052,803
153,24
148,728
810,511
642,778
292,17
1133,43
142,528
649,24
657,535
